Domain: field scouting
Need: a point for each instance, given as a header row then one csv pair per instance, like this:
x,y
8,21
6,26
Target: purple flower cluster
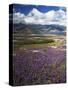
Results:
x,y
39,66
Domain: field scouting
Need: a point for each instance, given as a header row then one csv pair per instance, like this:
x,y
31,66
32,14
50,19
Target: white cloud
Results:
x,y
18,17
37,17
35,13
50,14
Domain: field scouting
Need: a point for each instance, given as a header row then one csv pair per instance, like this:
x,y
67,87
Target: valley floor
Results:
x,y
40,64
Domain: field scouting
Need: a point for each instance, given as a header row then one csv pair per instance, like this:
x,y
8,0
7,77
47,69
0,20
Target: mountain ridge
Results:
x,y
40,29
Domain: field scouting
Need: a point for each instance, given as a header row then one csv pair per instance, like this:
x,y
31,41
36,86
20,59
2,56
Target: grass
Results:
x,y
55,44
32,42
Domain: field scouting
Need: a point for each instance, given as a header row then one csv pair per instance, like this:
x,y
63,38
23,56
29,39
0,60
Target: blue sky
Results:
x,y
39,14
27,8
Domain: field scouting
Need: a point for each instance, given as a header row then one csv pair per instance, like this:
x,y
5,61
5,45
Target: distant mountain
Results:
x,y
34,29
